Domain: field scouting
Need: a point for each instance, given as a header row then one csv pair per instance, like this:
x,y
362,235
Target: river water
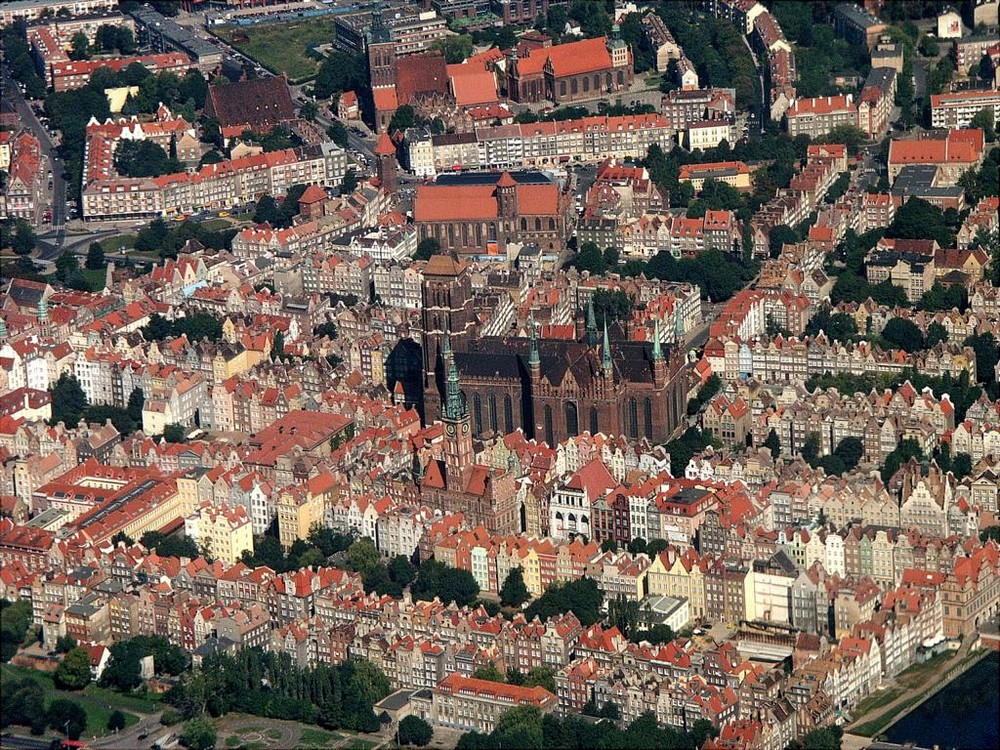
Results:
x,y
965,715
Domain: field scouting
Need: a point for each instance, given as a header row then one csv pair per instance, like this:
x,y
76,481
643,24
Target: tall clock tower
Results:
x,y
458,451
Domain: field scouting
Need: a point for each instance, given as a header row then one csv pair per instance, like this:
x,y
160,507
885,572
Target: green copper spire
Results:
x,y
3,328
657,350
606,349
43,311
453,407
678,324
591,323
533,358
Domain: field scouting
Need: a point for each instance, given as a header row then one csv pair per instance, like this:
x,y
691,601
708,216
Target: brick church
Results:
x,y
572,72
551,389
481,213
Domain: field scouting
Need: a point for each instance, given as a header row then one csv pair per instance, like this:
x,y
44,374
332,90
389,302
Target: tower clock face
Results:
x,y
450,430
465,429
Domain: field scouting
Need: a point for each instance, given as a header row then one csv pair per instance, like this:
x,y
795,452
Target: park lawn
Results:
x,y
872,728
97,708
876,701
281,47
310,737
142,704
215,225
112,245
359,744
916,676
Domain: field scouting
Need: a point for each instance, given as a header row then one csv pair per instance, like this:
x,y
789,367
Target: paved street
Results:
x,y
50,242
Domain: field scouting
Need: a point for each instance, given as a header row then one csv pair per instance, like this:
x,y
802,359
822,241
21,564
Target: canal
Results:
x,y
965,715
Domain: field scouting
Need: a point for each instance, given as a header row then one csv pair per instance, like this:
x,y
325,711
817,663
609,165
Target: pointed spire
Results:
x,y
43,311
657,349
606,349
453,407
533,358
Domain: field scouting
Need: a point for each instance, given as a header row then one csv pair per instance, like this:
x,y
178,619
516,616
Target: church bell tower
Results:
x,y
458,450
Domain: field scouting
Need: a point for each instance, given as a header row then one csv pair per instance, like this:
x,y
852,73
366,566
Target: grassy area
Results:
x,y
317,737
111,245
360,744
143,704
215,225
919,677
876,701
871,728
98,703
916,676
281,47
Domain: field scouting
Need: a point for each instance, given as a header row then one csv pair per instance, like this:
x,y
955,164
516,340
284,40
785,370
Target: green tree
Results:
x,y
363,555
414,731
22,239
79,46
702,730
435,579
455,48
267,212
984,119
810,449
426,248
582,597
341,72
780,236
95,256
403,118
116,721
338,133
514,592
68,401
73,672
350,181
144,159
961,465
936,334
903,452
68,717
198,734
612,305
542,676
772,443
15,626
65,644
917,219
519,727
489,672
850,450
902,333
624,614
590,258
174,433
990,532
985,347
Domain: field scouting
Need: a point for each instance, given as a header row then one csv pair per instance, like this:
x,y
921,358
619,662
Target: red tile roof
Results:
x,y
584,56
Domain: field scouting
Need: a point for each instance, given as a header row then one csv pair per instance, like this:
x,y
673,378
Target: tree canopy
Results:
x,y
144,159
582,597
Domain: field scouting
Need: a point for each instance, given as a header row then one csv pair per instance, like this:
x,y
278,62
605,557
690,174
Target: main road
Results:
x,y
50,243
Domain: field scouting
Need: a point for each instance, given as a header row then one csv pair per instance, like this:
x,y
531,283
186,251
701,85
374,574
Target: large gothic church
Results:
x,y
551,389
